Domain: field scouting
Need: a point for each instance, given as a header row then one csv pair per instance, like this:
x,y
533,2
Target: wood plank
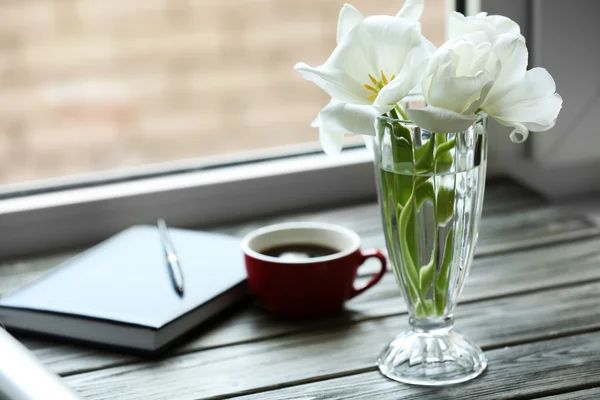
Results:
x,y
513,273
505,194
593,393
530,228
326,353
519,372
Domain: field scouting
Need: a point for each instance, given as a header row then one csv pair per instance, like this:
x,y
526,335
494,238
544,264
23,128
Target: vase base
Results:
x,y
432,359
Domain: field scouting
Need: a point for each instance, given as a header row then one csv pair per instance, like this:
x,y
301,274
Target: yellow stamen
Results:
x,y
373,79
373,96
371,88
393,77
385,81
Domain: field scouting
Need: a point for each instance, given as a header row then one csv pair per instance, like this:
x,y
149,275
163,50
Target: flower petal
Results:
x,y
406,80
530,103
513,57
412,10
458,93
519,134
332,142
551,106
369,145
385,42
455,23
485,59
336,120
348,19
503,24
512,52
492,25
459,25
335,82
349,119
440,120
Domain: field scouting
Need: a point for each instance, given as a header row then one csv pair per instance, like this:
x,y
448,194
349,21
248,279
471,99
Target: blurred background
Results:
x,y
89,86
92,88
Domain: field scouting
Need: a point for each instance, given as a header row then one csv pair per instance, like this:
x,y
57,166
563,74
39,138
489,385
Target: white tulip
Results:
x,y
457,80
379,60
468,75
491,25
375,55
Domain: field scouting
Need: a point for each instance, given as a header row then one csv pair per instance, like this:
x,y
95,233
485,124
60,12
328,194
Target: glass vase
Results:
x,y
430,189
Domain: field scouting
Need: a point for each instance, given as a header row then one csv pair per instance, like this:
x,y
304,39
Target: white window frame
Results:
x,y
80,216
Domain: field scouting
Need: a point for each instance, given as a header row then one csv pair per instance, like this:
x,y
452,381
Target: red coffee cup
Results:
x,y
306,286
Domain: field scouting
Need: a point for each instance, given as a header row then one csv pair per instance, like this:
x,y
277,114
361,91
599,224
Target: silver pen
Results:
x,y
171,256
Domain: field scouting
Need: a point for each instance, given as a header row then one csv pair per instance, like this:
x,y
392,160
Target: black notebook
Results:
x,y
119,293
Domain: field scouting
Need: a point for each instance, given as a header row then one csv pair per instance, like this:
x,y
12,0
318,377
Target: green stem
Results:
x,y
427,272
441,283
401,112
407,254
444,147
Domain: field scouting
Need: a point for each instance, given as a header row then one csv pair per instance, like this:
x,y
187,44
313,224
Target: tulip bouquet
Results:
x,y
431,158
379,60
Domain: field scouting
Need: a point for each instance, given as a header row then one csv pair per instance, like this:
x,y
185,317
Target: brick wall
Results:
x,y
88,85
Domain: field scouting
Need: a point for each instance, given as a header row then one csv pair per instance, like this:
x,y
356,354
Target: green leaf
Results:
x,y
426,276
424,191
445,204
403,187
407,230
408,246
402,149
429,307
425,155
441,284
443,156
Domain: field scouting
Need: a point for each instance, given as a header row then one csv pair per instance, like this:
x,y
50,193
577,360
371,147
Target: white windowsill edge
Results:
x,y
80,217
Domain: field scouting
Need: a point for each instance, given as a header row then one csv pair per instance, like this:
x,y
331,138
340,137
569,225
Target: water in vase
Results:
x,y
431,228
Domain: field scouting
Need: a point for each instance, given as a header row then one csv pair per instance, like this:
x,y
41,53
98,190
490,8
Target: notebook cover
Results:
x,y
125,279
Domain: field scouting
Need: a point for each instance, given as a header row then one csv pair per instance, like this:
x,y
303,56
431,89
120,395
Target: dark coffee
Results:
x,y
299,251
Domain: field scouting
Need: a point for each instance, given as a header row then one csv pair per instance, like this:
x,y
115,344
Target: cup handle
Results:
x,y
365,255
